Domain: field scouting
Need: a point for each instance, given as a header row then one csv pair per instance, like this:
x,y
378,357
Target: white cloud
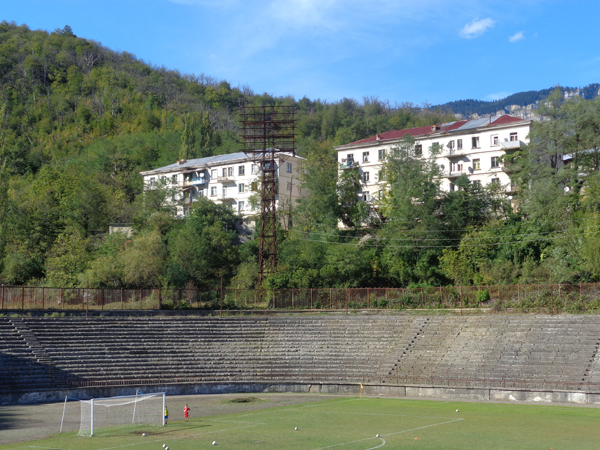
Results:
x,y
517,37
476,28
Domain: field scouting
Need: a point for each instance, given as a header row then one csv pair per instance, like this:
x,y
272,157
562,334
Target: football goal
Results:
x,y
99,414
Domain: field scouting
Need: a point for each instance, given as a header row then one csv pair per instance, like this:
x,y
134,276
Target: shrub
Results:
x,y
483,296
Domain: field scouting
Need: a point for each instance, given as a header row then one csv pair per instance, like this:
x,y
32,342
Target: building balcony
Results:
x,y
187,201
456,173
451,152
227,197
227,179
348,164
512,145
196,181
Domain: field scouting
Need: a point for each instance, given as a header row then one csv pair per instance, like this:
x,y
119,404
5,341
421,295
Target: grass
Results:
x,y
352,424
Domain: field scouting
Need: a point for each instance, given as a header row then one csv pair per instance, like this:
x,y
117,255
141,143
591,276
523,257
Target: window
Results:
x,y
476,183
495,162
163,179
365,157
513,137
456,167
288,168
230,171
366,196
350,157
380,175
477,164
213,173
451,145
174,179
201,193
241,188
254,186
451,187
224,192
418,150
241,206
495,140
152,180
224,172
288,186
495,180
213,191
475,142
459,144
381,154
241,170
365,177
254,169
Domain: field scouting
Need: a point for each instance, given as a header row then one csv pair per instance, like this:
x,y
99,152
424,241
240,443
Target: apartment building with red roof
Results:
x,y
466,147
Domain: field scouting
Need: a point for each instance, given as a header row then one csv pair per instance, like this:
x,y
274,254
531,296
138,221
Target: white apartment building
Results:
x,y
231,179
469,147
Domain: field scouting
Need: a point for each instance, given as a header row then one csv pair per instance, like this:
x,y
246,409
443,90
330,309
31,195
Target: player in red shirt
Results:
x,y
186,411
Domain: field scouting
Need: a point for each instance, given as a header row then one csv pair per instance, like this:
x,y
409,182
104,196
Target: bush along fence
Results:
x,y
551,298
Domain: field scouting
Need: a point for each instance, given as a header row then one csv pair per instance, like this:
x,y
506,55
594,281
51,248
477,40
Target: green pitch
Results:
x,y
353,424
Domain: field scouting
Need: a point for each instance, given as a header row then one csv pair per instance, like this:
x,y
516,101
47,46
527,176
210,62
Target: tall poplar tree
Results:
x,y
188,138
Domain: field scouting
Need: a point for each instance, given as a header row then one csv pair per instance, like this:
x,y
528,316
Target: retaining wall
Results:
x,y
504,396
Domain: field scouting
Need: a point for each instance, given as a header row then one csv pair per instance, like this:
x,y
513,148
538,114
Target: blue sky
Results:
x,y
415,51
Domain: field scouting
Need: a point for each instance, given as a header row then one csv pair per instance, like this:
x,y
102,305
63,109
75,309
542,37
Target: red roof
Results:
x,y
421,131
506,118
395,134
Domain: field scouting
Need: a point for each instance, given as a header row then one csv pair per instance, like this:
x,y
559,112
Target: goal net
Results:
x,y
100,415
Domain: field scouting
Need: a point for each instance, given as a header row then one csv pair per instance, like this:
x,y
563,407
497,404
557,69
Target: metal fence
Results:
x,y
551,298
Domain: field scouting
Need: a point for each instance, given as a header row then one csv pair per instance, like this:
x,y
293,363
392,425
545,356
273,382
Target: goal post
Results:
x,y
100,414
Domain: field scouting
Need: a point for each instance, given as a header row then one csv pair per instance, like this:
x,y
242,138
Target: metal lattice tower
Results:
x,y
269,135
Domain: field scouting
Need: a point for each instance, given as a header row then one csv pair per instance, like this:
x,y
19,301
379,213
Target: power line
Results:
x,y
446,239
476,229
445,246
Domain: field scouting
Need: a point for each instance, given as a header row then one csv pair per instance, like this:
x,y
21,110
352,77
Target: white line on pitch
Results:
x,y
390,434
380,445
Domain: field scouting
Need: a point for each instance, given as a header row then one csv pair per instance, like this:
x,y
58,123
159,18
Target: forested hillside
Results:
x,y
469,107
78,121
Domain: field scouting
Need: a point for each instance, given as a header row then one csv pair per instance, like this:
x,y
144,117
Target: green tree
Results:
x,y
143,260
188,138
106,269
4,177
68,258
206,135
202,248
319,207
